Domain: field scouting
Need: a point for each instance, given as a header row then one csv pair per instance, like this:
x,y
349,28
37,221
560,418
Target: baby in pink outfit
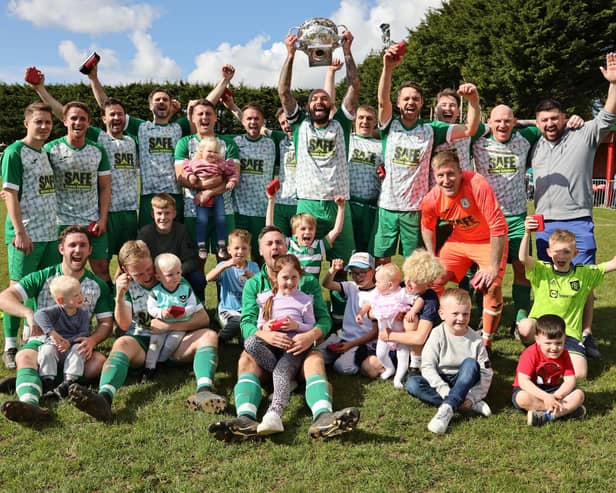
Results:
x,y
388,302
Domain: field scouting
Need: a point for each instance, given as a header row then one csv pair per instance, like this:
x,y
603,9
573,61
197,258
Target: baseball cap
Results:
x,y
362,260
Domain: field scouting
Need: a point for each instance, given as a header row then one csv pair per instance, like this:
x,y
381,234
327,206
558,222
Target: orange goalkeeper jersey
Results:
x,y
474,212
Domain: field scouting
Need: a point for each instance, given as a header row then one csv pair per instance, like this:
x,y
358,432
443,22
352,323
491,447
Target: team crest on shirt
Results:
x,y
310,251
183,298
553,293
464,203
575,285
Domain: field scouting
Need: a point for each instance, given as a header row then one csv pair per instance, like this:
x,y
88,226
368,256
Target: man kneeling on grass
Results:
x,y
199,344
545,383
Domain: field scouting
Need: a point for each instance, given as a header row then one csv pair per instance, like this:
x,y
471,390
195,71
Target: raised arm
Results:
x,y
468,92
352,95
227,73
339,223
609,72
97,88
329,84
287,100
329,281
530,224
390,62
47,98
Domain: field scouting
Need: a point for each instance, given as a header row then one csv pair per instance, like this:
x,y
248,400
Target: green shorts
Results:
x,y
190,223
389,226
121,227
143,341
100,248
363,215
32,344
282,217
515,225
324,211
254,225
44,254
145,208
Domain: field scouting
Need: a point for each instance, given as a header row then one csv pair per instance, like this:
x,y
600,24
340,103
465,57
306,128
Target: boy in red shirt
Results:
x,y
545,384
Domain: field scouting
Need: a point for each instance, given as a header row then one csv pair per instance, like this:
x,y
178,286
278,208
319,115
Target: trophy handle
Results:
x,y
344,28
296,33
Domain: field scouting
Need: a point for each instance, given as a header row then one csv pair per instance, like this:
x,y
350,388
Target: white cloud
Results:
x,y
258,64
148,64
86,16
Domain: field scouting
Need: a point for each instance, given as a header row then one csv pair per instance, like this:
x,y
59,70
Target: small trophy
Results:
x,y
89,63
318,38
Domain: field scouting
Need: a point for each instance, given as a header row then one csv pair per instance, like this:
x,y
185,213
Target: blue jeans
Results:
x,y
203,214
460,383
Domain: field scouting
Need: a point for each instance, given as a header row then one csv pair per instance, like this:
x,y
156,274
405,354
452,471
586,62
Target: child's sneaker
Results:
x,y
481,407
270,424
148,375
538,418
440,421
203,253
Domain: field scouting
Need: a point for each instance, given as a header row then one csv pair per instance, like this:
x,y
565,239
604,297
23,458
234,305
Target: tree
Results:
x,y
517,52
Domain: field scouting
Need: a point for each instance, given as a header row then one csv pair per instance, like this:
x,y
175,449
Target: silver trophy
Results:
x,y
318,38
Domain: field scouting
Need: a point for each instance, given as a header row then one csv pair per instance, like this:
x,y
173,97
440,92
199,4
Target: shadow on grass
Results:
x,y
168,380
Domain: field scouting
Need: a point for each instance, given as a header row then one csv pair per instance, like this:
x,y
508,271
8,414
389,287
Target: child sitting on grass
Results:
x,y
545,384
64,325
290,311
421,269
455,369
231,276
560,288
171,300
352,349
385,305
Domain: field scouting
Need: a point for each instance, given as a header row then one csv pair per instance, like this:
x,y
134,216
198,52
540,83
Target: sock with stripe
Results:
x,y
317,395
204,365
113,374
247,393
28,385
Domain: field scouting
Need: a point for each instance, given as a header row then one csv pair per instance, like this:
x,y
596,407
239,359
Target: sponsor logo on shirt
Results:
x,y
366,158
46,185
321,147
252,166
160,145
124,160
77,180
406,156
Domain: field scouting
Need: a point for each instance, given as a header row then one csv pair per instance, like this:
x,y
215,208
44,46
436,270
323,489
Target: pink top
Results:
x,y
203,169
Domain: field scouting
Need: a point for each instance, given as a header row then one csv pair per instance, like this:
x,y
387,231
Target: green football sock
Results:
x,y
317,395
29,385
247,395
204,364
114,373
521,301
11,326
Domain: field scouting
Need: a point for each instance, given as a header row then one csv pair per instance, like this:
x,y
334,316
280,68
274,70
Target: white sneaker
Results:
x,y
270,424
481,407
440,421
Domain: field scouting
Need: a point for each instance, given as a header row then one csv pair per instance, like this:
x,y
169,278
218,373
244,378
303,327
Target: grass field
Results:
x,y
155,443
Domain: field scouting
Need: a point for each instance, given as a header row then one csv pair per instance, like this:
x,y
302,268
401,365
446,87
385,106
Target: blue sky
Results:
x,y
156,40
